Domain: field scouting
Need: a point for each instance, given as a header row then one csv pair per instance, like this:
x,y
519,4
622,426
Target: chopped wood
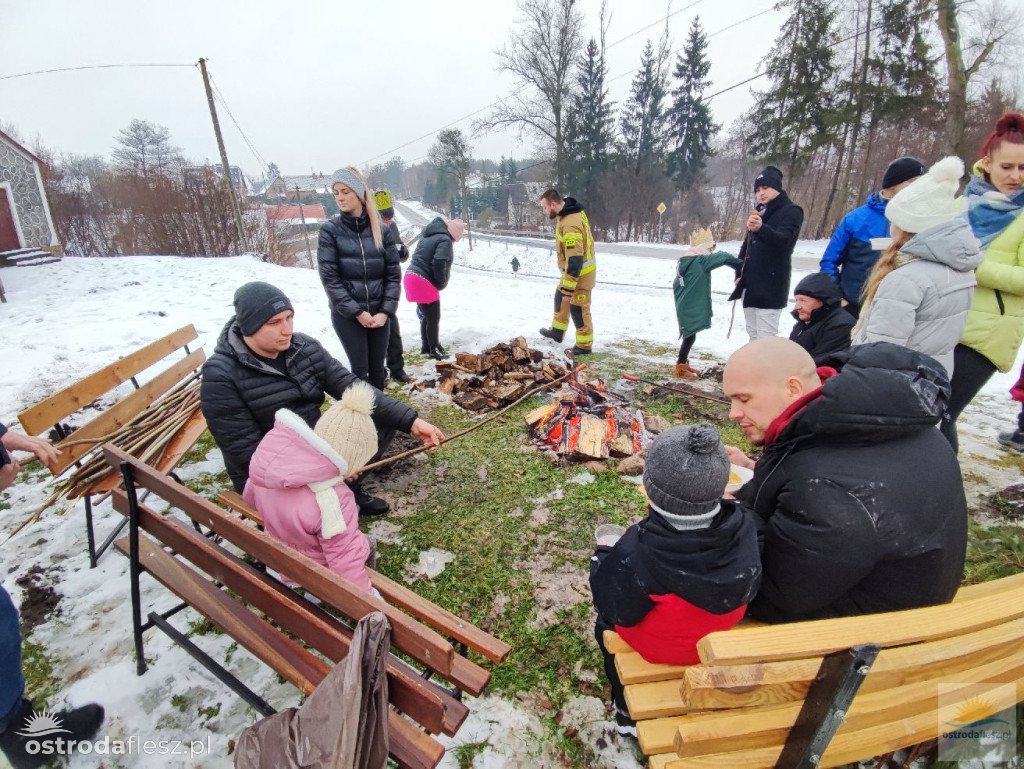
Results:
x,y
520,376
593,432
447,384
506,392
536,355
471,363
472,401
537,414
622,445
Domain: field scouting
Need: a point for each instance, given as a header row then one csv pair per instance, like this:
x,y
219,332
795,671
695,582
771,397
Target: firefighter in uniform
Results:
x,y
576,260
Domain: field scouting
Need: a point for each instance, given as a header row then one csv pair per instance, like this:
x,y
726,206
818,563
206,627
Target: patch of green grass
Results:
x,y
210,711
37,668
993,552
644,347
181,702
203,447
466,753
209,484
230,652
202,626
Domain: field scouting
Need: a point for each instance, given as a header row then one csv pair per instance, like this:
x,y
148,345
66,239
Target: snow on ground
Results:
x,y
66,320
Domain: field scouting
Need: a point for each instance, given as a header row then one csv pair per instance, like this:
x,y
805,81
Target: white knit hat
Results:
x,y
348,428
931,200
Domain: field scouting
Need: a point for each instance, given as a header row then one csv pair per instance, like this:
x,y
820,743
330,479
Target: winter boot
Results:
x,y
683,371
577,350
401,376
369,506
552,333
78,724
1012,440
439,353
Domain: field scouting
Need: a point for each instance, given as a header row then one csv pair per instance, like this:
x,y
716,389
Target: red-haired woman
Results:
x,y
995,323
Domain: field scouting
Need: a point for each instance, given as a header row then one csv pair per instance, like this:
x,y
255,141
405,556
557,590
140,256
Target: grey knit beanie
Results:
x,y
256,303
350,180
686,473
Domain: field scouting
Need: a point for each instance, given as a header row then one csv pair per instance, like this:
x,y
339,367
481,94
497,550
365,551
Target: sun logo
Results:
x,y
43,725
974,712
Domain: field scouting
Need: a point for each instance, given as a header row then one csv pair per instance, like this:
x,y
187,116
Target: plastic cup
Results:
x,y
607,534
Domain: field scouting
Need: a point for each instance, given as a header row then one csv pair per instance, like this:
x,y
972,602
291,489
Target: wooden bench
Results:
x,y
295,636
48,415
767,695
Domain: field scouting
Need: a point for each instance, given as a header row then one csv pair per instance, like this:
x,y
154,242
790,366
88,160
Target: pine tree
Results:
x,y
794,117
643,116
690,124
591,124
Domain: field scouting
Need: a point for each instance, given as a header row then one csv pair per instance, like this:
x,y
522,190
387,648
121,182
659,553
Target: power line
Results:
x,y
252,147
654,24
89,66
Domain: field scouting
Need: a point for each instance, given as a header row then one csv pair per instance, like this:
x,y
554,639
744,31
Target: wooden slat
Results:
x,y
122,412
294,663
419,642
45,414
711,687
298,616
179,446
233,501
661,760
409,746
749,728
982,589
812,639
634,669
850,746
614,644
404,598
655,700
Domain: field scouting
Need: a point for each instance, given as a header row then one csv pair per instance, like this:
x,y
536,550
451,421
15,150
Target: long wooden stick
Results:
x,y
509,407
712,398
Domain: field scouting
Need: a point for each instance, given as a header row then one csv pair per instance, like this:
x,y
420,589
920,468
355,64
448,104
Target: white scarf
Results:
x,y
332,522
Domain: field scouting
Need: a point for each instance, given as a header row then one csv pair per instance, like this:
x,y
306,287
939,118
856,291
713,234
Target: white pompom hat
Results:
x,y
931,200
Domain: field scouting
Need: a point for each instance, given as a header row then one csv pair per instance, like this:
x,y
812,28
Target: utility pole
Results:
x,y
224,157
302,215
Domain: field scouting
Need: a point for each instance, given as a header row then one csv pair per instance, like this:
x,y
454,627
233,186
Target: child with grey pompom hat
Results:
x,y
688,569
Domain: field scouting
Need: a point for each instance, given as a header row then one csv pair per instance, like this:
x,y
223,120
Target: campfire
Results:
x,y
495,377
585,422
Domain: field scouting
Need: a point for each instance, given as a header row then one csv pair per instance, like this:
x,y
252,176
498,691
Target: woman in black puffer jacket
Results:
x,y
359,267
427,276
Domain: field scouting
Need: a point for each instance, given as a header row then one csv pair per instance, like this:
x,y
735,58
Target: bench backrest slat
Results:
x,y
820,637
296,615
419,642
124,411
47,413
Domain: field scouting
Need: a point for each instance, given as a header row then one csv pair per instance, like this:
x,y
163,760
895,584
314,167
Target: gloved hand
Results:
x,y
566,291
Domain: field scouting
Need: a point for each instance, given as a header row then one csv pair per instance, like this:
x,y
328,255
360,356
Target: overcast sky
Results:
x,y
315,86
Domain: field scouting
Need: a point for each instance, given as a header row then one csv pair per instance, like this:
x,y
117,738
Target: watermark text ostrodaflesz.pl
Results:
x,y
44,735
977,721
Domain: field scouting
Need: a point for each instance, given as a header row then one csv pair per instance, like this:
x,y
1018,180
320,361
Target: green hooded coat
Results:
x,y
692,288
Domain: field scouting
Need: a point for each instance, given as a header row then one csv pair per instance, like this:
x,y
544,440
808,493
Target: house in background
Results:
x,y
25,220
194,175
283,187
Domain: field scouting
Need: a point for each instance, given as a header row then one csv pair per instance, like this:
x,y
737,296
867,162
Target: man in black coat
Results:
x,y
767,253
858,497
260,366
822,326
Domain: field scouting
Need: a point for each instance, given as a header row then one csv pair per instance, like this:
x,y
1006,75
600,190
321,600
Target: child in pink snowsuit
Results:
x,y
297,483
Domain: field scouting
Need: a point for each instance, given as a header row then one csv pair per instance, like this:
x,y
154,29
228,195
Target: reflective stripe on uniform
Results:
x,y
588,266
584,338
559,325
569,282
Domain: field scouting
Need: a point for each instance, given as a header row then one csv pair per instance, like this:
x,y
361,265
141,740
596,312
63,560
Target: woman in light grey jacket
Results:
x,y
920,290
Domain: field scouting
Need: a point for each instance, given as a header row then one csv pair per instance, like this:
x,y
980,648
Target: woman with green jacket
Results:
x,y
692,289
995,323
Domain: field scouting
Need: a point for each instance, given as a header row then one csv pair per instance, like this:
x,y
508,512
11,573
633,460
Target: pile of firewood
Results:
x,y
495,377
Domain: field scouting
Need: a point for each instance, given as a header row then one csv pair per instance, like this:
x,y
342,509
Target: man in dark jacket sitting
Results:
x,y
858,497
822,327
260,366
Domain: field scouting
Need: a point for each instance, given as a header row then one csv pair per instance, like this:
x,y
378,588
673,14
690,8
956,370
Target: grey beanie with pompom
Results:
x,y
687,470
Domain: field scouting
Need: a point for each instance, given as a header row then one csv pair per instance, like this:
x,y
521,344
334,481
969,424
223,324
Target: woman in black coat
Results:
x,y
427,277
359,267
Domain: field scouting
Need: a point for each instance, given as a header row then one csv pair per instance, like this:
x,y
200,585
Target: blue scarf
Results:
x,y
991,211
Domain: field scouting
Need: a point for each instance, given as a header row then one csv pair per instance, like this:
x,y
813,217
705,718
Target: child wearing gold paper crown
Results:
x,y
297,483
692,289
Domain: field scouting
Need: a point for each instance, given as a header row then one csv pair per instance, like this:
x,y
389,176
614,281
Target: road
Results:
x,y
800,263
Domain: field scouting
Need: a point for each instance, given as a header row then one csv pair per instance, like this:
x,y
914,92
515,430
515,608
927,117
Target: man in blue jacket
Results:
x,y
850,255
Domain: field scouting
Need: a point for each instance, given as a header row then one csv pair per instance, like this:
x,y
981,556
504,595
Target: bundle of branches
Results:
x,y
145,436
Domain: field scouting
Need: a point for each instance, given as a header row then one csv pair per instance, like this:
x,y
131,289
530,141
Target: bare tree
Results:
x,y
451,155
988,29
540,55
144,148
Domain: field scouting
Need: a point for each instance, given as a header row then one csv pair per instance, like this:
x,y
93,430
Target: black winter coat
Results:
x,y
432,259
240,395
859,501
768,255
827,333
716,569
358,276
403,250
